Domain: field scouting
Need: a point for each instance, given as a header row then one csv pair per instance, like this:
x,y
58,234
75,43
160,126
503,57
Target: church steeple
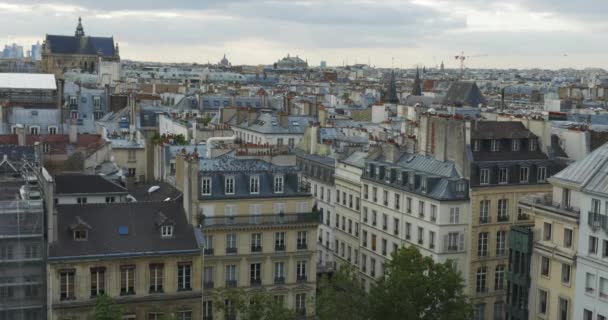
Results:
x,y
417,88
79,29
391,93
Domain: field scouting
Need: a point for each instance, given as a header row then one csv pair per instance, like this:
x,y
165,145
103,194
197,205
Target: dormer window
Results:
x,y
460,186
378,171
73,100
278,184
254,185
532,144
423,184
411,178
229,185
97,102
515,144
476,145
80,235
206,186
166,231
495,145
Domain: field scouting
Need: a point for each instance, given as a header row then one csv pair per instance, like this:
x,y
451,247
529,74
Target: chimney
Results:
x,y
59,93
73,132
252,116
241,115
283,120
314,136
322,116
20,134
132,108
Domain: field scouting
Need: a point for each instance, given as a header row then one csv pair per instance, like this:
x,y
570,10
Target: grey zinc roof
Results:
x,y
85,184
269,123
356,159
588,173
104,240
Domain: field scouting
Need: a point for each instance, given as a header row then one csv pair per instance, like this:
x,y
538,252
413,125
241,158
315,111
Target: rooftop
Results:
x,y
66,184
27,81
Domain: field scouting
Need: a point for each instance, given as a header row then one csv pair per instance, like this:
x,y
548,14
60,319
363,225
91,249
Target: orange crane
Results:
x,y
462,57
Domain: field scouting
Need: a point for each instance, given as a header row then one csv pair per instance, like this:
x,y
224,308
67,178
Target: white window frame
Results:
x,y
541,175
501,175
476,145
254,184
51,129
279,183
229,185
515,144
34,128
484,176
495,145
524,174
533,144
166,231
206,186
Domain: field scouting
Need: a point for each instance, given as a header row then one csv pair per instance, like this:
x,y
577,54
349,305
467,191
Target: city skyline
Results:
x,y
514,34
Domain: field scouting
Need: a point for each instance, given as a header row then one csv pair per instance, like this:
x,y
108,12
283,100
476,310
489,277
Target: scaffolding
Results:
x,y
22,248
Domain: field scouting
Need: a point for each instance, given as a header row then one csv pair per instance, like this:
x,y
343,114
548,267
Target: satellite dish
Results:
x,y
131,198
153,188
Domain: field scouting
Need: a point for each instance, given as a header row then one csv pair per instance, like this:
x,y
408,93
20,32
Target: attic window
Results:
x,y
532,144
476,145
80,235
515,144
206,186
229,185
495,145
278,184
254,184
423,184
166,231
460,187
411,178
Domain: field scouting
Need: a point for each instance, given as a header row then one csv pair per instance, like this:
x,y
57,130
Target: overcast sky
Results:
x,y
403,33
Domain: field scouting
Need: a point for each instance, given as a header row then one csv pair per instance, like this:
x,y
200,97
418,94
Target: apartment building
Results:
x,y
412,199
22,243
583,185
507,162
318,173
518,274
553,261
144,255
82,189
346,220
259,228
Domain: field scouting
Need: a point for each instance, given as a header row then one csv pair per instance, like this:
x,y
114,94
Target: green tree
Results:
x,y
341,297
259,305
105,309
415,287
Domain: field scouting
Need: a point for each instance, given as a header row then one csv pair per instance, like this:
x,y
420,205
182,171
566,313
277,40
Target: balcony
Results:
x,y
545,202
279,247
301,279
481,291
279,280
484,220
384,227
523,217
231,250
208,251
265,219
301,312
598,221
302,246
503,218
230,283
256,248
208,285
255,282
452,248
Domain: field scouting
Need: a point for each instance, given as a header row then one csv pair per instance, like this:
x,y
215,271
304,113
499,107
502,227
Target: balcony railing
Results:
x,y
452,248
598,221
503,218
256,282
481,291
279,247
231,250
208,285
208,251
268,219
230,283
256,248
301,278
484,220
279,280
302,246
523,216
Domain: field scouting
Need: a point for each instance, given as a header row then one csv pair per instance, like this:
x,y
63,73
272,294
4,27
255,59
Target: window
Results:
x,y
541,174
501,243
408,227
278,185
208,277
603,288
499,278
455,215
363,263
544,266
420,236
301,303
421,209
375,194
372,267
110,199
423,184
480,284
565,273
484,211
6,252
503,206
385,197
46,148
127,280
566,198
478,313
484,176
231,246
397,201
364,214
433,213
524,174
542,301
384,221
279,272
533,143
52,130
476,145
31,252
409,205
81,200
515,143
596,206
384,247
364,236
279,241
205,186
97,281
396,226
592,245
229,185
166,231
374,217
184,274
230,275
494,145
547,231
208,243
499,310
338,196
503,175
587,315
254,184
482,244
155,315
97,102
337,220
66,278
255,270
131,172
373,242
184,315
590,283
80,234
301,270
34,130
451,241
256,242
365,191
302,240
563,309
156,278
431,239
567,238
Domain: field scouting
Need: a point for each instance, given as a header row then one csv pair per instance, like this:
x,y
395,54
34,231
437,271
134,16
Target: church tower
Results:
x,y
79,29
417,88
391,93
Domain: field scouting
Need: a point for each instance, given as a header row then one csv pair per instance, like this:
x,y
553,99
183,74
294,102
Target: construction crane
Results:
x,y
462,57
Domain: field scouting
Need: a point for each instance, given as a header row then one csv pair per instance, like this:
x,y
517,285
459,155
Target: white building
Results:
x,y
585,182
265,128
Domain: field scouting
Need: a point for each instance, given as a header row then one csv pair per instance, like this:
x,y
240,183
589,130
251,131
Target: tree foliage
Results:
x,y
415,287
105,309
341,297
258,305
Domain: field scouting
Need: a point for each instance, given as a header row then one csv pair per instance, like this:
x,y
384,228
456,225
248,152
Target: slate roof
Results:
x,y
268,123
140,191
104,240
80,45
489,130
589,173
66,184
463,93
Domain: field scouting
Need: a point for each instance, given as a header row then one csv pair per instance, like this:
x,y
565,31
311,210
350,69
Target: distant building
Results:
x,y
323,64
36,53
291,63
61,53
464,94
12,51
224,62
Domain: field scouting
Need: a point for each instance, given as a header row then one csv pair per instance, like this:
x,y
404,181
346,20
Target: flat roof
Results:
x,y
43,81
